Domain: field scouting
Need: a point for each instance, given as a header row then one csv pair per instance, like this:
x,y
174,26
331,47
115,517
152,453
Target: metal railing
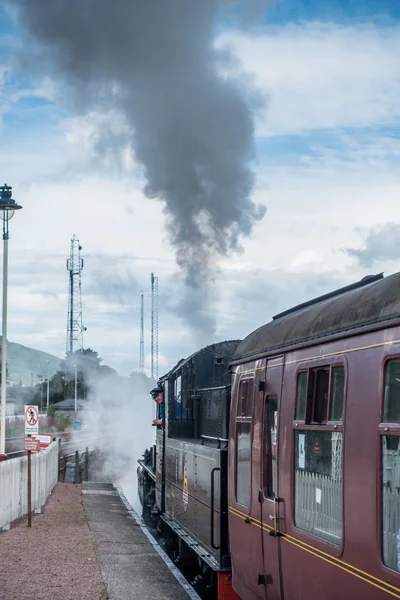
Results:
x,y
78,463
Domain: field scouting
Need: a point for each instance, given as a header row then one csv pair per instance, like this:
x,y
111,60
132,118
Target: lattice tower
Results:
x,y
154,326
75,326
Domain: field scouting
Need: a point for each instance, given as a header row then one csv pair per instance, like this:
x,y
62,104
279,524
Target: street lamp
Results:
x,y
48,385
76,389
8,206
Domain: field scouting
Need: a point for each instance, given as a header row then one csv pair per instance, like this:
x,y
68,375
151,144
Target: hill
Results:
x,y
27,364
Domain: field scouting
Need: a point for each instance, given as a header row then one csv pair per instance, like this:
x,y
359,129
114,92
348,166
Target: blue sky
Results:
x,y
338,11
327,166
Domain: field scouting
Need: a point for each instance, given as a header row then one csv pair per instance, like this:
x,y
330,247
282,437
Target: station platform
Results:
x,y
132,564
88,544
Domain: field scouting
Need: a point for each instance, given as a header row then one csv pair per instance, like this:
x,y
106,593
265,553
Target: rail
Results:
x,y
214,439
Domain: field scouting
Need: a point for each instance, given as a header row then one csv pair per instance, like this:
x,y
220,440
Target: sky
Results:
x,y
326,165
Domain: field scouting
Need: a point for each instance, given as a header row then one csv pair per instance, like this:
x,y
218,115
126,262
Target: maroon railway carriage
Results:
x,y
314,454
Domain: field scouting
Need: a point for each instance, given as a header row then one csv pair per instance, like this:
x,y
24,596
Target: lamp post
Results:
x,y
76,389
48,386
41,395
8,206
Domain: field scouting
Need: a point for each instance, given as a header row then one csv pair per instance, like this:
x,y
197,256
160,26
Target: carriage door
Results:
x,y
270,504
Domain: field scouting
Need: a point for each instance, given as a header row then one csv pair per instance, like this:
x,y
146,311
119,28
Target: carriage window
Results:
x,y
243,442
243,462
318,463
318,483
301,399
245,403
320,407
391,413
391,501
314,401
270,446
337,394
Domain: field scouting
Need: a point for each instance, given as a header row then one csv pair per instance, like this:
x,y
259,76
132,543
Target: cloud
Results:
x,y
322,75
292,256
381,243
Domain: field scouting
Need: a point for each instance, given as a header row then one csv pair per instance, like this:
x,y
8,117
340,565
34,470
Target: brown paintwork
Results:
x,y
305,576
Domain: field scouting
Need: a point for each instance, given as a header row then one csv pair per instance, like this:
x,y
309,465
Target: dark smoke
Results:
x,y
191,128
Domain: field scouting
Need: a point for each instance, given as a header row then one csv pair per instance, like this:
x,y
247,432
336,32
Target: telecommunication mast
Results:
x,y
75,326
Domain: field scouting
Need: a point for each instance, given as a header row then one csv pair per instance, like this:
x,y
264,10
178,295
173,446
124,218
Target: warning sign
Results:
x,y
31,413
44,440
185,495
31,444
316,446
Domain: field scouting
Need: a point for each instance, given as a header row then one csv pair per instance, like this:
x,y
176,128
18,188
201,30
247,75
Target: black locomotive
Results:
x,y
182,479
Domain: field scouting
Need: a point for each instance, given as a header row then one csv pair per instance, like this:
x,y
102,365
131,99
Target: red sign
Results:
x,y
31,444
45,440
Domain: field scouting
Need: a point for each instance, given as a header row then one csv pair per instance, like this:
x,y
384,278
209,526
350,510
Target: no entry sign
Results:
x,y
31,413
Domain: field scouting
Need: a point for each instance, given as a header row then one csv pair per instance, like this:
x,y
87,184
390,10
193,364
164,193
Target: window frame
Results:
x,y
245,419
266,460
386,359
384,430
312,365
339,360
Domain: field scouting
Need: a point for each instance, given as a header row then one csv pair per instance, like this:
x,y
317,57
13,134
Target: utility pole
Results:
x,y
48,385
41,395
141,355
76,390
154,326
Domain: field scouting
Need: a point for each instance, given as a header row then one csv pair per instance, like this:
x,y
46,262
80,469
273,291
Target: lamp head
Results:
x,y
8,206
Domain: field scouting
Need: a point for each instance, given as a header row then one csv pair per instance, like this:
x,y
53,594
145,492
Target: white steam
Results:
x,y
119,415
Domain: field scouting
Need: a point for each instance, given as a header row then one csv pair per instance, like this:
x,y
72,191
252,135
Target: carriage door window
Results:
x,y
243,441
270,446
390,448
318,457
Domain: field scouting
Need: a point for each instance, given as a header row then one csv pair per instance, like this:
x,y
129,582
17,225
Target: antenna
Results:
x,y
154,326
141,355
75,327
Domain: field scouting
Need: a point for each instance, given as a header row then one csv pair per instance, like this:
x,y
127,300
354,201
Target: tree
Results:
x,y
88,368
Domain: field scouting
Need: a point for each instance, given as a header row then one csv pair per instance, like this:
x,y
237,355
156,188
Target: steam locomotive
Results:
x,y
276,470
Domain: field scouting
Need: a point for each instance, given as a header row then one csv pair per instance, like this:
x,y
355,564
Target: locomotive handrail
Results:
x,y
214,439
212,509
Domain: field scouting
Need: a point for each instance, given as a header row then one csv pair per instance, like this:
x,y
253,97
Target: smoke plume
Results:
x,y
191,127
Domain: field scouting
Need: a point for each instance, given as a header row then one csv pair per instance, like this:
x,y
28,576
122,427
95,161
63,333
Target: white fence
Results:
x,y
14,483
391,528
318,505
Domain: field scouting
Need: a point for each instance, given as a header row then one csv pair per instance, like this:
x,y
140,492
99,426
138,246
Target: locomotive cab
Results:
x,y
186,491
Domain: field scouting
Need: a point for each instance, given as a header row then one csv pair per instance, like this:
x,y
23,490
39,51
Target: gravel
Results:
x,y
55,558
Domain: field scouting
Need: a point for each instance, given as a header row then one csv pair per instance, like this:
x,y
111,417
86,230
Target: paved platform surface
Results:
x,y
54,559
130,565
87,544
